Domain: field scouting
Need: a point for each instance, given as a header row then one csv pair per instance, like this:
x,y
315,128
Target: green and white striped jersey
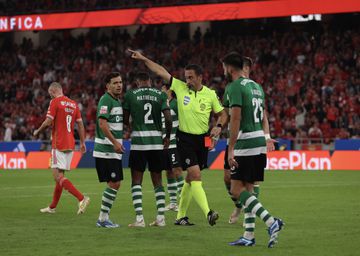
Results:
x,y
175,122
248,95
110,109
145,106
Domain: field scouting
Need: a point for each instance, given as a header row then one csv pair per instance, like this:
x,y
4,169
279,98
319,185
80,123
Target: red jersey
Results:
x,y
64,112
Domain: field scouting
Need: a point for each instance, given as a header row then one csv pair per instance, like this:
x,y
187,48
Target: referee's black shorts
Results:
x,y
192,149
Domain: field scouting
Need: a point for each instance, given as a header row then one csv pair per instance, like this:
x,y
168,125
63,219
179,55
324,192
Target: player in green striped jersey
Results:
x,y
145,105
108,145
247,145
175,180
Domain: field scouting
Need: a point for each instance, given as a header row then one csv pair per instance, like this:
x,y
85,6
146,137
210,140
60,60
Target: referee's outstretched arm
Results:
x,y
154,67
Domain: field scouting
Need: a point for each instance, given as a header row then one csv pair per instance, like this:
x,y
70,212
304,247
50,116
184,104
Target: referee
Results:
x,y
195,103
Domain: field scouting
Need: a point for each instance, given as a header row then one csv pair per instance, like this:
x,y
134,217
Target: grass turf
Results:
x,y
321,211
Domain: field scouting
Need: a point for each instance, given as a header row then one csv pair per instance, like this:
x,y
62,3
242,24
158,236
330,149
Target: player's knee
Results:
x,y
227,179
114,185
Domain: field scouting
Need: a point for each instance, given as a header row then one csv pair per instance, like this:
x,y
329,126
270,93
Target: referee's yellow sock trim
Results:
x,y
185,199
200,196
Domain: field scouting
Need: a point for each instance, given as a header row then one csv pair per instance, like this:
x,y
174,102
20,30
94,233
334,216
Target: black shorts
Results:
x,y
226,162
109,169
192,150
171,158
251,168
152,158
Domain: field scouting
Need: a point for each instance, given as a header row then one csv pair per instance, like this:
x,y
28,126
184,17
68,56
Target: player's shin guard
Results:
x,y
67,185
160,201
256,207
236,202
107,202
180,184
136,192
185,199
200,196
56,196
172,190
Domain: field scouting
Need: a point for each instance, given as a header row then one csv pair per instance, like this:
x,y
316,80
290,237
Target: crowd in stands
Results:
x,y
311,80
11,7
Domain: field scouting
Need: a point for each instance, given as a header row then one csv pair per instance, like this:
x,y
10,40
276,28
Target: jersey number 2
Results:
x,y
257,103
147,117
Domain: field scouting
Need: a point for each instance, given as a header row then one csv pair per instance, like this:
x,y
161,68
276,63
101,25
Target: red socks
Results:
x,y
66,184
56,196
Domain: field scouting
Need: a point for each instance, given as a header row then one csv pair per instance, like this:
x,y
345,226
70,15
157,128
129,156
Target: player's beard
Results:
x,y
228,77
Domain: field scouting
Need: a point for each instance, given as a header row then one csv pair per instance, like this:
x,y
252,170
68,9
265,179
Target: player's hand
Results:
x,y
82,148
36,133
270,145
231,160
214,141
215,132
136,55
119,148
166,143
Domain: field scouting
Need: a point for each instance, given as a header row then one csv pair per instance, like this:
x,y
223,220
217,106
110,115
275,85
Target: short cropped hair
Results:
x,y
234,59
142,76
55,85
197,69
247,61
110,76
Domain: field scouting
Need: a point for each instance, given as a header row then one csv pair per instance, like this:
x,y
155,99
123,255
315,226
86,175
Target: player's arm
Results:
x,y
235,120
270,143
168,127
154,67
221,117
104,126
43,126
81,135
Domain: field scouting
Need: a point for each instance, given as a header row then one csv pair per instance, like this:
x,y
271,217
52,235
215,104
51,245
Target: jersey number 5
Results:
x,y
147,117
257,103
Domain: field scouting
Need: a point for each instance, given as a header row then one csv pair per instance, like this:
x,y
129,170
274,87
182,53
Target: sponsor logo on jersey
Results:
x,y
103,109
202,106
186,100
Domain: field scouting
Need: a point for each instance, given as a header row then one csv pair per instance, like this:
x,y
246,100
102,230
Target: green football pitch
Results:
x,y
321,211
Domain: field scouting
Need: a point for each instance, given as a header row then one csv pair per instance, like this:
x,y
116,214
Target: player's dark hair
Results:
x,y
197,69
247,61
142,76
234,59
110,76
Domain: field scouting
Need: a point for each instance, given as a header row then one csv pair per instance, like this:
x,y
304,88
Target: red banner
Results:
x,y
34,160
305,160
176,14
